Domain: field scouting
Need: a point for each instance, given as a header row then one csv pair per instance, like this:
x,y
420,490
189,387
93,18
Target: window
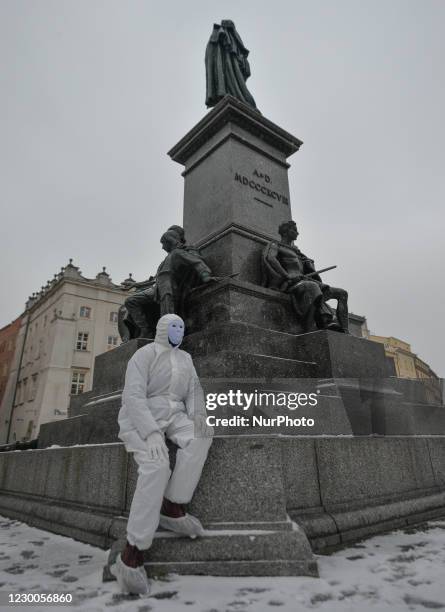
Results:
x,y
113,317
85,312
33,387
112,342
82,342
77,382
24,390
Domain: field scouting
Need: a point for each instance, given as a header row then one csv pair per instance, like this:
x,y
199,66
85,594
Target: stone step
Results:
x,y
340,355
336,489
227,553
95,403
99,426
110,367
237,364
235,336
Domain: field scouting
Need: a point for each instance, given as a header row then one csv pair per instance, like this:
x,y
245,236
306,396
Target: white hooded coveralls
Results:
x,y
162,393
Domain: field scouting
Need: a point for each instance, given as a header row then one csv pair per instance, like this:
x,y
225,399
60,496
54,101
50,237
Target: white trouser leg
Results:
x,y
153,475
190,459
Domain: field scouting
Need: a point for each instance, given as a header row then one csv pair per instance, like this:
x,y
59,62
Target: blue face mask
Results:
x,y
175,332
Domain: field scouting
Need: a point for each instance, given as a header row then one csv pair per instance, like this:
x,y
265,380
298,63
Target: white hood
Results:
x,y
162,329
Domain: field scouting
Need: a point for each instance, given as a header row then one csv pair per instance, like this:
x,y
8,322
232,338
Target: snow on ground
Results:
x,y
404,570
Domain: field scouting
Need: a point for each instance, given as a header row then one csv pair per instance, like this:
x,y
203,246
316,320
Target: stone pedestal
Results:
x,y
235,175
336,490
236,188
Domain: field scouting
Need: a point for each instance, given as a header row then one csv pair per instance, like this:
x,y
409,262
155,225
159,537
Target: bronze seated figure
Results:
x,y
285,268
182,269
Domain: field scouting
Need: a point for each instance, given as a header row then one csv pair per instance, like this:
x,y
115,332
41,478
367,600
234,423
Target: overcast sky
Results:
x,y
94,93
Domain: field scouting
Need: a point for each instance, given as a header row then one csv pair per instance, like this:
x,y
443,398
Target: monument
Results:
x,y
268,497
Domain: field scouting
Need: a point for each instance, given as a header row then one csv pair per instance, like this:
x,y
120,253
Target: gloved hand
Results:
x,y
156,446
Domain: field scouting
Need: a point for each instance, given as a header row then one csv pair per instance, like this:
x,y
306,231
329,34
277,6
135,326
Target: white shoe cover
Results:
x,y
132,580
186,525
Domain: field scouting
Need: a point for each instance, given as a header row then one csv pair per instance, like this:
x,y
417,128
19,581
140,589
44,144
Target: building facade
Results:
x,y
8,339
403,363
400,358
65,326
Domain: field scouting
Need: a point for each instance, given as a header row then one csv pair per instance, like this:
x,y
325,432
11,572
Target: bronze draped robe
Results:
x,y
227,67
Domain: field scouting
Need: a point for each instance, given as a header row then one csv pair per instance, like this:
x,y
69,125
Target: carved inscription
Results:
x,y
261,187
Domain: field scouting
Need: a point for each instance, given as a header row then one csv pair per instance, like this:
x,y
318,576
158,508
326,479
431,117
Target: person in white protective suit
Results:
x,y
162,397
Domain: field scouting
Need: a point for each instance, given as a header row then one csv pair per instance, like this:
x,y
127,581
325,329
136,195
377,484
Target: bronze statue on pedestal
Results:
x,y
287,269
227,67
182,269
